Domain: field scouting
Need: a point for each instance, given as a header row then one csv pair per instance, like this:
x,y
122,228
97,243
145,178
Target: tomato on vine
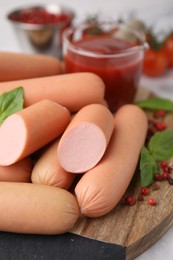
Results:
x,y
155,63
168,49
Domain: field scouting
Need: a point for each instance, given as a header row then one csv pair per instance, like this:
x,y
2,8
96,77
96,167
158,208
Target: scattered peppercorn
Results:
x,y
144,191
163,164
140,198
155,124
152,201
160,126
166,170
158,177
165,176
155,186
130,200
159,114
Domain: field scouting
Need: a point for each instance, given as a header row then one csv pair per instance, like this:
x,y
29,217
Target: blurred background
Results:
x,y
155,13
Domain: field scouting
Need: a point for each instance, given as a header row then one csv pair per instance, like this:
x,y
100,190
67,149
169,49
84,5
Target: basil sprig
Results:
x,y
160,148
156,104
11,102
161,145
148,167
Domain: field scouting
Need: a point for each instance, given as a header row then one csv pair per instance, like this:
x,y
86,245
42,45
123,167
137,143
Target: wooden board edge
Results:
x,y
148,240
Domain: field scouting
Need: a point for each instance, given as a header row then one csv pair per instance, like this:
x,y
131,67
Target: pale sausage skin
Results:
x,y
36,209
28,130
17,172
73,90
100,189
85,140
17,66
48,171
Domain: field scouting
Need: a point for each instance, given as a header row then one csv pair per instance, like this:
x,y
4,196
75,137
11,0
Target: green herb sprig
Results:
x,y
156,104
160,148
148,166
11,102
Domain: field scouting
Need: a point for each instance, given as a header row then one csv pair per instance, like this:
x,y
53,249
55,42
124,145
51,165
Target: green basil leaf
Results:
x,y
161,145
148,167
156,104
11,102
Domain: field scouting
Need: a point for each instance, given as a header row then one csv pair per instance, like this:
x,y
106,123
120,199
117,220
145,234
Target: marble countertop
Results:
x,y
155,12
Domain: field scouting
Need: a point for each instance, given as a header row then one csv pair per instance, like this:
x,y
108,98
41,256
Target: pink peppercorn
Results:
x,y
152,201
130,200
144,191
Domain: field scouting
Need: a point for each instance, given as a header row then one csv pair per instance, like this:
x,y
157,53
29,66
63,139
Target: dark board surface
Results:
x,y
59,247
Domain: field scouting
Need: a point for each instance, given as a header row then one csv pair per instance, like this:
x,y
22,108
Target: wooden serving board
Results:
x,y
134,228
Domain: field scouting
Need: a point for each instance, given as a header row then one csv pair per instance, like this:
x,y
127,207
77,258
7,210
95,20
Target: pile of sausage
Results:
x,y
67,125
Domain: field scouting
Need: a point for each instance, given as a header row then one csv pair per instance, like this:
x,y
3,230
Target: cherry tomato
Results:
x,y
155,63
168,50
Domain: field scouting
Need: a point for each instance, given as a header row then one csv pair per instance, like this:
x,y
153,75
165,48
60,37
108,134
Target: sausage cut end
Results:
x,y
82,148
13,136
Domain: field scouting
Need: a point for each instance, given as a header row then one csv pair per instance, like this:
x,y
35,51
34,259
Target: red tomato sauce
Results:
x,y
39,16
120,75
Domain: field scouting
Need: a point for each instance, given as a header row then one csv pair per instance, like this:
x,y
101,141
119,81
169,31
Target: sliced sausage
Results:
x,y
26,131
85,140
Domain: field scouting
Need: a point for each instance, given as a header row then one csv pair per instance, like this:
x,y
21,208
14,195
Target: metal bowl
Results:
x,y
37,37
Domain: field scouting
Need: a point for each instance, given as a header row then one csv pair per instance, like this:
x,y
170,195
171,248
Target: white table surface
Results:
x,y
155,12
